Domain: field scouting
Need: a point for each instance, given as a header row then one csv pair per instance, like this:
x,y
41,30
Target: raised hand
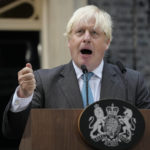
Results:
x,y
26,81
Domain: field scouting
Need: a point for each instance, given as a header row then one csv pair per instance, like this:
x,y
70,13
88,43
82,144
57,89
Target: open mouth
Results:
x,y
86,51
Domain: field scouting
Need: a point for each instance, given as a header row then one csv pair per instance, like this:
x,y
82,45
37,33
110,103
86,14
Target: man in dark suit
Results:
x,y
89,33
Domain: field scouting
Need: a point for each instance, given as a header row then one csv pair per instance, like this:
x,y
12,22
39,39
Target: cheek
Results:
x,y
71,43
72,49
104,46
101,50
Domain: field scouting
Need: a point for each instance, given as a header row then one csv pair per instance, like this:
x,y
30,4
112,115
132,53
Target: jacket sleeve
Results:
x,y
142,94
14,123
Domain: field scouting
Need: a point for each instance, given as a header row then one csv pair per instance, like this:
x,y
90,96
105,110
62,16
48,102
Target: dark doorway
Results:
x,y
16,49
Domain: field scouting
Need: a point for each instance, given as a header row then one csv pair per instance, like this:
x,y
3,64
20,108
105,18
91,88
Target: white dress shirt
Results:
x,y
20,104
95,81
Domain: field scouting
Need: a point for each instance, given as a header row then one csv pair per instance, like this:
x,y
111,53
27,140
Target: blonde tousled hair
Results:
x,y
102,20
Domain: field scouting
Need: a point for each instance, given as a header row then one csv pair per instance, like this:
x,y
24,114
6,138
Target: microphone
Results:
x,y
85,72
84,69
108,57
121,67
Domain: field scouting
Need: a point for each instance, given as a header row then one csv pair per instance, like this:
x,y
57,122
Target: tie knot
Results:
x,y
89,75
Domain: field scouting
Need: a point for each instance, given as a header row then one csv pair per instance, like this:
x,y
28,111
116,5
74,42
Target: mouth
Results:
x,y
86,51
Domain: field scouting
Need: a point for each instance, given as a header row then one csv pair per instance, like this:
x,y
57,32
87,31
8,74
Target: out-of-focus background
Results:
x,y
32,31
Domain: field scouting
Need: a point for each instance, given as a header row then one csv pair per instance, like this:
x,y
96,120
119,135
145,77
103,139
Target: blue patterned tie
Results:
x,y
90,95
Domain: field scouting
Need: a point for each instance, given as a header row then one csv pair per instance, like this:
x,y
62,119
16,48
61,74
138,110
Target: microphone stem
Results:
x,y
126,86
85,72
87,92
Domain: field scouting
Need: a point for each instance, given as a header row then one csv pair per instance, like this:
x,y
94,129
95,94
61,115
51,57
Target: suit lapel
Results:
x,y
70,87
111,86
110,83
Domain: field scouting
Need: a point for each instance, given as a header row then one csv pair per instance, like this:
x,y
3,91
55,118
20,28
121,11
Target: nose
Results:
x,y
87,37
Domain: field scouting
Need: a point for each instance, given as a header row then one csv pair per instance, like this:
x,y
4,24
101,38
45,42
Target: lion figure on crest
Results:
x,y
99,123
128,123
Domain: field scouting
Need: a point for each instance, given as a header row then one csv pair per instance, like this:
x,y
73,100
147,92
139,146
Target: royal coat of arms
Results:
x,y
109,127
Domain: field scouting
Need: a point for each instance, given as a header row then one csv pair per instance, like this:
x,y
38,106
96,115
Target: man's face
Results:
x,y
87,45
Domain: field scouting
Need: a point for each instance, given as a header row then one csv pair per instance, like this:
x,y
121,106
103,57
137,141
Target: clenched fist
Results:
x,y
26,81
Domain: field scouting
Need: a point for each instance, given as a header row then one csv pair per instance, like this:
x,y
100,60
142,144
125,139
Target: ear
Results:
x,y
107,44
68,43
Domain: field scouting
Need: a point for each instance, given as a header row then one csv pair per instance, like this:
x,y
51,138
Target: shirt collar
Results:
x,y
97,72
78,71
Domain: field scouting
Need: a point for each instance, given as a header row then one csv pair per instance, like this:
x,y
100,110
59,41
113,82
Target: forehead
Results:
x,y
86,23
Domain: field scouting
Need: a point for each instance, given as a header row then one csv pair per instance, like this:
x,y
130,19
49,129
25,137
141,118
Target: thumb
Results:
x,y
29,65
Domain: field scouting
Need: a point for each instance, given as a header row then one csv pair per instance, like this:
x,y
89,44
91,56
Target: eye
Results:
x,y
94,32
80,31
